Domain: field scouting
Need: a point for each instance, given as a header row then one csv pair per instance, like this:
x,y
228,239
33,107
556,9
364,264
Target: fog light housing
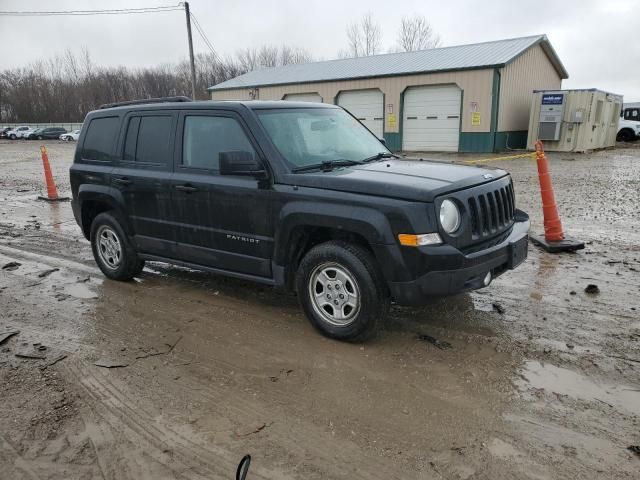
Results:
x,y
487,279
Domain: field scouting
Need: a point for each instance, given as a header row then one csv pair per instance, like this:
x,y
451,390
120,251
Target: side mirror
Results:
x,y
240,163
383,141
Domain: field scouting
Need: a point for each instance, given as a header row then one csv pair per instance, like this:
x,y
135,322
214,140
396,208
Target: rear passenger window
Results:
x,y
148,140
206,137
100,139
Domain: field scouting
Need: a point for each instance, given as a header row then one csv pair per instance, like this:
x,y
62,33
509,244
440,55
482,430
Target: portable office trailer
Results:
x,y
574,120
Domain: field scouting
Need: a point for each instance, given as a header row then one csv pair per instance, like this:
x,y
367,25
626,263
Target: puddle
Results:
x,y
80,290
61,280
568,382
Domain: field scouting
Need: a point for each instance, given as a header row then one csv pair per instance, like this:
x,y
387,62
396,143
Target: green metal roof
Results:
x,y
462,57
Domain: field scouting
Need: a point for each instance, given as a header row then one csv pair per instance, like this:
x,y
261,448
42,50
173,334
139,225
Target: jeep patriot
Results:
x,y
296,195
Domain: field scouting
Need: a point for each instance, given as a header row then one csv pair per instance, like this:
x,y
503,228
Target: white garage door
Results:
x,y
367,106
431,119
303,97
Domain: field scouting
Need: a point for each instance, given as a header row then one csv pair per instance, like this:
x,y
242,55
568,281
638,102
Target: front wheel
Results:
x,y
625,135
112,250
40,137
342,291
12,136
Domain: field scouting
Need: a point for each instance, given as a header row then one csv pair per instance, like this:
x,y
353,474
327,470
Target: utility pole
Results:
x,y
193,65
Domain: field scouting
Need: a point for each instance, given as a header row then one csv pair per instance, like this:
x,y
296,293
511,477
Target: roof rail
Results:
x,y
145,101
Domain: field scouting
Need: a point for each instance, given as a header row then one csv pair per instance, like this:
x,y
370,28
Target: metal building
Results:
x,y
574,120
468,98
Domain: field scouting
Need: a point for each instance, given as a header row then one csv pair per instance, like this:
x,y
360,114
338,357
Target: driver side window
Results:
x,y
205,137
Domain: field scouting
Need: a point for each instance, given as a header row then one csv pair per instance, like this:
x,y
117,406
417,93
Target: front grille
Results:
x,y
492,242
491,212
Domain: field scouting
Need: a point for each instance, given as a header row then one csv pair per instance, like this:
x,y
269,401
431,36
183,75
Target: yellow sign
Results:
x,y
391,120
475,119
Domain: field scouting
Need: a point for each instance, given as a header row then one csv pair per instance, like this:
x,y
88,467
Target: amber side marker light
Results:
x,y
411,240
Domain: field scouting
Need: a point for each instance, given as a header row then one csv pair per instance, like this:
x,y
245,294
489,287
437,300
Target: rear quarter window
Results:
x,y
100,139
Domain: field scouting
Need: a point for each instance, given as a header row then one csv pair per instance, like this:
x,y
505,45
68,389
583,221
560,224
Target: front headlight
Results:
x,y
449,216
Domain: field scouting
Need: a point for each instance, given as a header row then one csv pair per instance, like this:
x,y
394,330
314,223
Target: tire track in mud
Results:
x,y
122,412
12,461
140,427
125,420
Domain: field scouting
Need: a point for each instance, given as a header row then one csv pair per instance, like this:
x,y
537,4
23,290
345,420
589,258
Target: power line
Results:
x,y
111,11
205,38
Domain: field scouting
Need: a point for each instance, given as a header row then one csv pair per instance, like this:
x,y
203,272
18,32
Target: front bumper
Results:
x,y
459,272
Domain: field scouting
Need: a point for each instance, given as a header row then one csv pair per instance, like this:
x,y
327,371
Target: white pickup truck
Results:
x,y
628,130
18,132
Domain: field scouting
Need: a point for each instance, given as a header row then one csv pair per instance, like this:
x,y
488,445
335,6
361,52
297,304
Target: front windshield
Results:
x,y
310,136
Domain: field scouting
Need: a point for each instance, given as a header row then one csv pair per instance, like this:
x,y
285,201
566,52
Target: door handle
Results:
x,y
186,188
122,180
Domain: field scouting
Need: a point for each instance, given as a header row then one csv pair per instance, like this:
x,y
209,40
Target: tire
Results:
x,y
349,270
625,135
112,249
40,137
12,136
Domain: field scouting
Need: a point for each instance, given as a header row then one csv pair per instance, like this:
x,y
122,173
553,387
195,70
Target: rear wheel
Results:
x,y
112,250
12,136
40,137
342,291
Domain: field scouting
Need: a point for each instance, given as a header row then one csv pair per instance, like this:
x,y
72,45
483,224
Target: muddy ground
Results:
x,y
541,380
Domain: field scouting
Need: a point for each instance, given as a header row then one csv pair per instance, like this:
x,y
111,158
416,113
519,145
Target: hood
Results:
x,y
404,179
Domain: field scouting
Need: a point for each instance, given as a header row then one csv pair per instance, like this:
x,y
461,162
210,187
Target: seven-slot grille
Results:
x,y
491,212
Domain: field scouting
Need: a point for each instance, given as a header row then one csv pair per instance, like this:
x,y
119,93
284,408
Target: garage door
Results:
x,y
431,119
303,97
367,106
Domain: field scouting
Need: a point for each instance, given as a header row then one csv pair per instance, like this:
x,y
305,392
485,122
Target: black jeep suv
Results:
x,y
289,194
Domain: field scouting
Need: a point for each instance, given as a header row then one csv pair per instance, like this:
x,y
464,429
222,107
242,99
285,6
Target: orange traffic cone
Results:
x,y
554,239
52,191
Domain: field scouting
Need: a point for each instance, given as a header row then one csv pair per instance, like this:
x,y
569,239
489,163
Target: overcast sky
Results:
x,y
597,40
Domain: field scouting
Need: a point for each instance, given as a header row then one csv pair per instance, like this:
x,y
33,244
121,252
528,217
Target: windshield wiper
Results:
x,y
379,156
326,166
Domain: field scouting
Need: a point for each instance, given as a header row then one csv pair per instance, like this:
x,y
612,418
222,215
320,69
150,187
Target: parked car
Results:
x,y
4,132
32,135
24,134
290,194
70,136
46,133
17,132
628,130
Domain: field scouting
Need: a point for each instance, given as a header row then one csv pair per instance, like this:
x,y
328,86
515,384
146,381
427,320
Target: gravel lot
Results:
x,y
541,380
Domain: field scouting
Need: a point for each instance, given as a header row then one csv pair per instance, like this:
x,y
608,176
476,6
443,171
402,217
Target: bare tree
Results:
x,y
363,37
271,56
65,87
248,59
289,55
416,33
268,56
